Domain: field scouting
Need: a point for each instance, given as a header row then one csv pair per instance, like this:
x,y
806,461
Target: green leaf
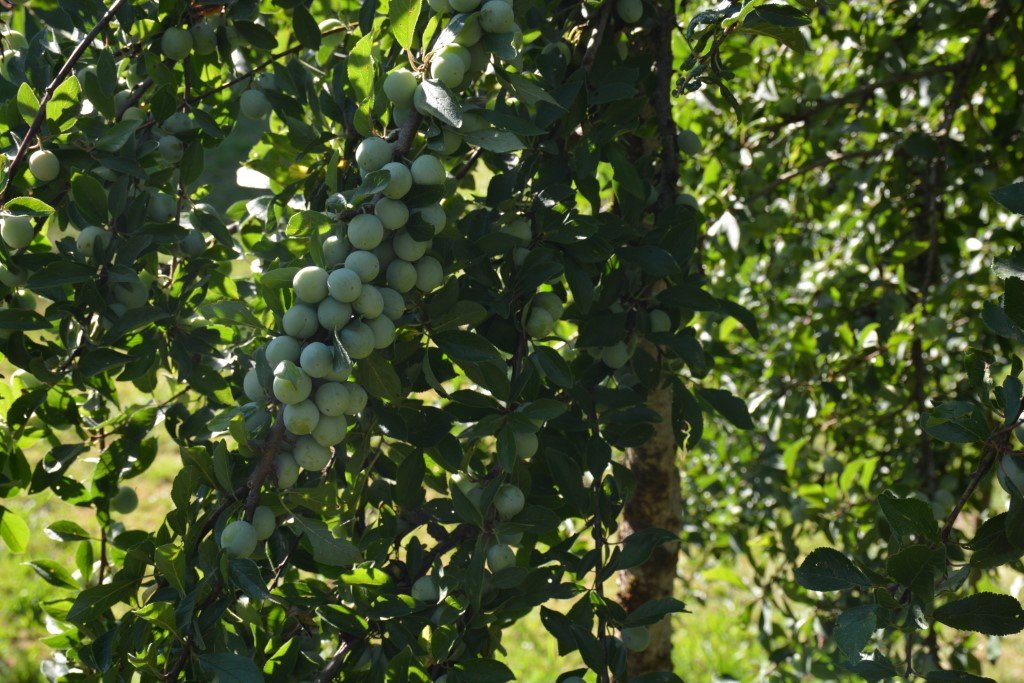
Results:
x,y
65,530
854,629
307,223
873,667
256,35
956,677
246,575
652,611
827,569
90,198
28,103
60,273
910,518
117,135
361,73
305,27
327,549
13,531
378,377
28,206
653,261
466,346
439,101
53,573
1011,197
728,406
916,568
225,667
482,671
65,103
236,313
989,613
637,547
552,365
403,15
956,422
497,141
170,561
92,602
15,319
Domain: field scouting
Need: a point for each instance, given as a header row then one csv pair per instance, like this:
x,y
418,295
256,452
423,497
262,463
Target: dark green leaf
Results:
x,y
989,613
826,569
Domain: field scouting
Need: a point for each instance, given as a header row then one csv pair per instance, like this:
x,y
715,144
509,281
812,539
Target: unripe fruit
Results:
x,y
300,321
426,169
193,243
550,302
332,399
471,32
539,323
365,231
425,590
383,331
44,165
344,285
124,501
450,142
401,275
435,216
399,115
310,284
408,248
281,349
291,385
178,123
339,373
464,5
133,294
399,86
526,444
440,6
286,470
253,104
500,556
330,431
133,114
252,388
520,229
92,238
310,455
335,250
162,207
333,314
336,35
429,274
358,340
394,303
204,38
170,148
455,50
364,263
18,277
660,322
176,43
14,40
372,154
17,231
401,180
370,303
357,399
392,213
238,539
385,254
301,418
316,360
636,638
449,69
630,11
496,16
264,522
509,501
615,356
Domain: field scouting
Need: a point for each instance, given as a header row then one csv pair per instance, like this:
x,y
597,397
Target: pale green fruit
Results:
x,y
636,638
425,589
435,216
496,16
370,303
204,38
335,250
238,539
310,284
44,165
344,284
520,229
385,254
14,40
133,294
301,418
539,323
286,470
25,301
133,114
429,274
330,431
90,238
407,248
316,360
282,348
630,11
358,340
364,263
19,276
399,86
124,501
526,444
332,399
291,384
264,522
336,35
365,231
401,180
300,321
509,501
357,399
615,356
472,123
176,43
392,213
455,50
660,321
550,302
339,373
401,275
310,455
394,303
17,231
512,539
333,314
500,556
427,170
464,5
383,331
440,6
399,115
162,207
372,154
471,32
450,142
478,58
178,123
193,243
170,148
252,388
449,69
689,142
253,104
